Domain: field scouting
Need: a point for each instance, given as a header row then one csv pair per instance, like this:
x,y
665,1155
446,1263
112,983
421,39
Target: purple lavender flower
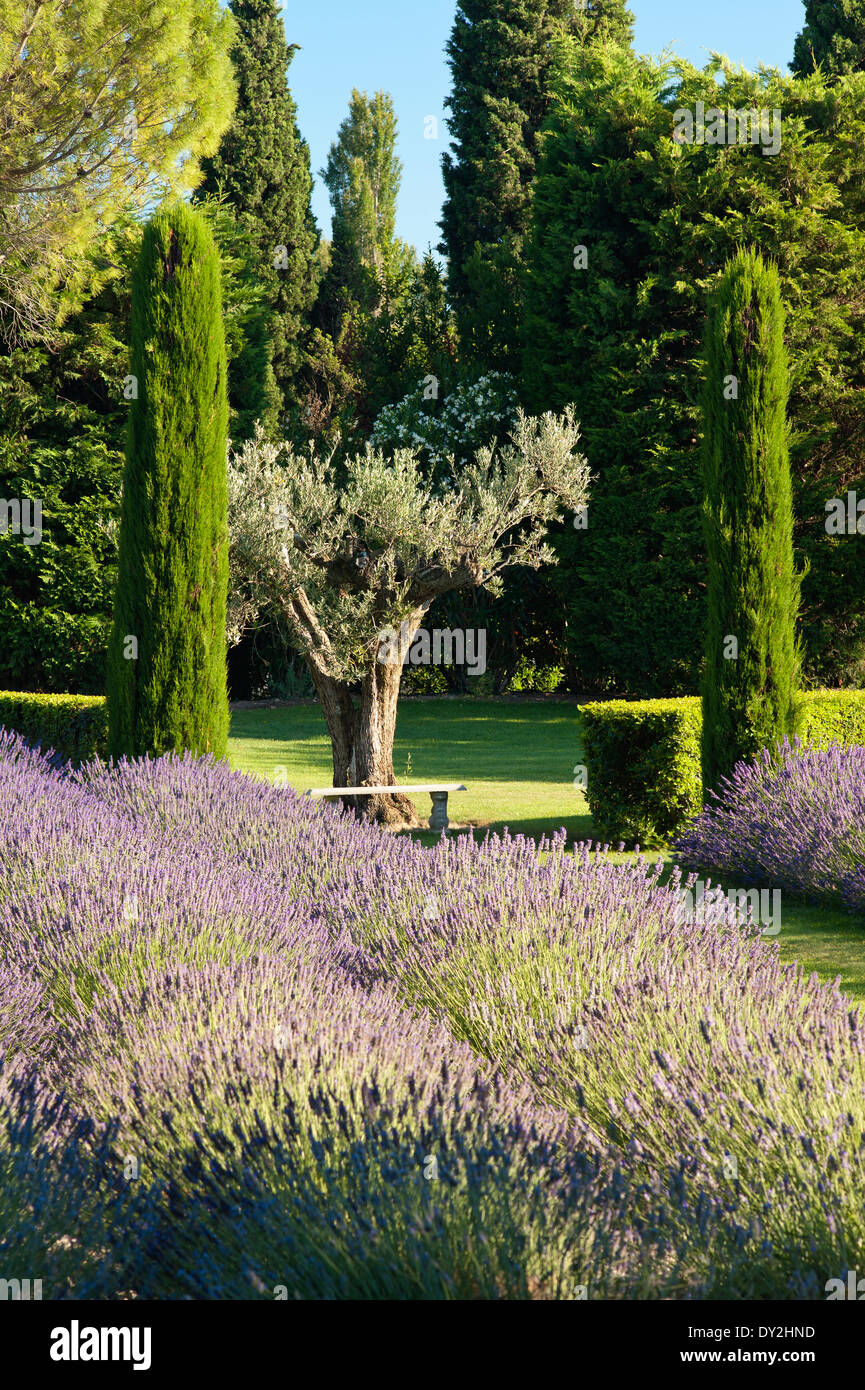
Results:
x,y
793,820
236,1012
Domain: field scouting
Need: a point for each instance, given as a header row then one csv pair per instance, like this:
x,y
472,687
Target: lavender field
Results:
x,y
792,818
252,1048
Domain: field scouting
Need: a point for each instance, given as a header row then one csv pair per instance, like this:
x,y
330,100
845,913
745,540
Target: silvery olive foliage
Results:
x,y
345,554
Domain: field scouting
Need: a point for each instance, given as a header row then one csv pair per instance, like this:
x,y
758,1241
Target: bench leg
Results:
x,y
438,820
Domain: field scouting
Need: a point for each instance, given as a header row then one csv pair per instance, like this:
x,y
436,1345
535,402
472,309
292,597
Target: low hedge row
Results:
x,y
642,758
75,726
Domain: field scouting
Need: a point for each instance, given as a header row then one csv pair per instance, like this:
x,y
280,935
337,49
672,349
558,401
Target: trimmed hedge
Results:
x,y
75,726
642,760
831,716
642,757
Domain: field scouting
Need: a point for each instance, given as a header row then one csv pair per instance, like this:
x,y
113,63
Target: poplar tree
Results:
x,y
363,176
752,657
166,671
372,274
501,57
262,167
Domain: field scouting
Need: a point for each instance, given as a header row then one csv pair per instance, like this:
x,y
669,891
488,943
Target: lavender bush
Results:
x,y
793,819
62,1211
314,1059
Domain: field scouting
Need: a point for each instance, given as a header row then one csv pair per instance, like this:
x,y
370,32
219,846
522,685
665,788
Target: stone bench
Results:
x,y
438,792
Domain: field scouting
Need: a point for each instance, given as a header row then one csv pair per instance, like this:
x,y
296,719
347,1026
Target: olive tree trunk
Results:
x,y
361,721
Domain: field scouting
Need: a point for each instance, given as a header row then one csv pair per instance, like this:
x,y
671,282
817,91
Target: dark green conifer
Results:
x,y
166,676
833,38
262,167
500,55
752,657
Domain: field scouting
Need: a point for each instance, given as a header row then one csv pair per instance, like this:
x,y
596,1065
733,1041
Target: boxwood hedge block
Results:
x,y
642,758
832,716
75,726
642,761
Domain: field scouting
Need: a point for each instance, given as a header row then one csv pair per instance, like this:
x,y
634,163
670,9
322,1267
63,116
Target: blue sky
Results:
x,y
398,45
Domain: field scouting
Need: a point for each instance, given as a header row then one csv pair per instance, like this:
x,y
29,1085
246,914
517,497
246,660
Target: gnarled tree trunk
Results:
x,y
361,721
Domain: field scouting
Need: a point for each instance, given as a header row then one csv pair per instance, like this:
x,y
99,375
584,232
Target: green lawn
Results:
x,y
517,760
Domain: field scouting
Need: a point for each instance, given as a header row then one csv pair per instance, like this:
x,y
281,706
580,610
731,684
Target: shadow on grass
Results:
x,y
577,828
446,740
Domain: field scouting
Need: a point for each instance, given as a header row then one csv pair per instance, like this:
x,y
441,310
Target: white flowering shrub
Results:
x,y
454,427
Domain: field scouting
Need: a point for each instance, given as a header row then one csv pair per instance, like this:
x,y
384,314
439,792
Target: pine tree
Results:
x,y
103,102
166,678
500,56
833,37
262,166
752,656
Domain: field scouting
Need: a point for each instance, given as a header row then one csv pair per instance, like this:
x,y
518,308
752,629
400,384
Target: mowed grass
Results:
x,y
517,759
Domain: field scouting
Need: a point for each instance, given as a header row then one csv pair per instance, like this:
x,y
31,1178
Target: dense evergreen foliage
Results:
x,y
63,414
751,667
833,37
500,59
62,425
166,681
253,393
619,330
262,167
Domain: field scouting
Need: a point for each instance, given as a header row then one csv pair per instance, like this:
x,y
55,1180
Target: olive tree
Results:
x,y
354,559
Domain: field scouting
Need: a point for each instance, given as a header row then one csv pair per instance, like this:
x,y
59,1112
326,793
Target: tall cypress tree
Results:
x,y
166,676
500,58
833,37
752,657
262,166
